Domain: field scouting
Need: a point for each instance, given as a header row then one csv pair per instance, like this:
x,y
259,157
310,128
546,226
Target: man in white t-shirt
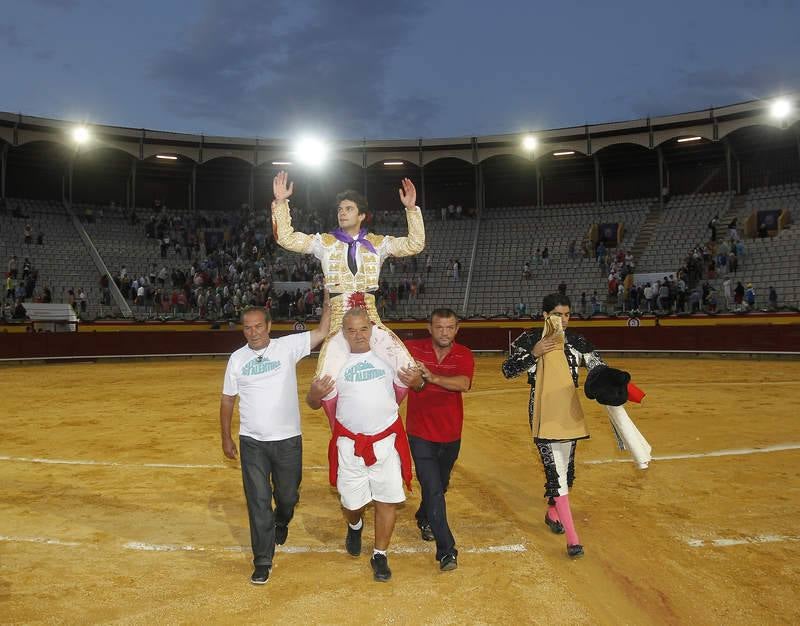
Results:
x,y
368,454
263,374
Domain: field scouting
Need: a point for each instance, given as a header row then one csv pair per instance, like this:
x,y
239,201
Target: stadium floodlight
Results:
x,y
564,153
167,157
529,142
281,162
685,139
780,108
390,163
311,151
80,134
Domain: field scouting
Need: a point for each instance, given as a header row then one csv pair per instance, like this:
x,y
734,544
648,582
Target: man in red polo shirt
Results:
x,y
433,421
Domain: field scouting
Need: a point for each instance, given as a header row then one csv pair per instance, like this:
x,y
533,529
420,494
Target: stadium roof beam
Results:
x,y
724,119
17,130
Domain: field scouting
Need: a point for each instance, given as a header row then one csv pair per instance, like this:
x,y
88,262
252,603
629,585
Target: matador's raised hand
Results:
x,y
280,189
408,194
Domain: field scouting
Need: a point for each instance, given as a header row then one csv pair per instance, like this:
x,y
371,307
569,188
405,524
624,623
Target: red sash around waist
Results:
x,y
364,449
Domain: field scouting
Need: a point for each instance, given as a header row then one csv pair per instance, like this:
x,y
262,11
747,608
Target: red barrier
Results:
x,y
752,336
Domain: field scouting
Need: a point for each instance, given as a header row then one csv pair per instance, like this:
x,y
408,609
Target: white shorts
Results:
x,y
358,485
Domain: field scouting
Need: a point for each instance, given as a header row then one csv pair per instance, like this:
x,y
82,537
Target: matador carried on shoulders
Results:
x,y
351,260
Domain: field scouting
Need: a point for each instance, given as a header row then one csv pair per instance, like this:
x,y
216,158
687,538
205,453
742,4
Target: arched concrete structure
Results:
x,y
712,124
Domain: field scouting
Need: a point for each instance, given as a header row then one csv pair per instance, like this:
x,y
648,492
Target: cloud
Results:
x,y
265,69
10,36
44,55
57,4
704,88
413,113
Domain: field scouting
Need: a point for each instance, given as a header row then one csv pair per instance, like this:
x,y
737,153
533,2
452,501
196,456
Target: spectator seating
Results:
x,y
504,239
444,241
769,261
682,225
509,237
62,260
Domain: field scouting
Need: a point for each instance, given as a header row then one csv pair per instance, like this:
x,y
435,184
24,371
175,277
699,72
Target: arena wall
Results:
x,y
776,333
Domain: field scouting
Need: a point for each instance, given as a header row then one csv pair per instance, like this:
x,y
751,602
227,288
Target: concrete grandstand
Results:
x,y
658,182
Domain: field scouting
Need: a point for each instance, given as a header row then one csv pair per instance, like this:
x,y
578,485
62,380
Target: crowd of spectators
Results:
x,y
20,285
216,265
692,288
618,267
231,262
712,260
246,268
21,281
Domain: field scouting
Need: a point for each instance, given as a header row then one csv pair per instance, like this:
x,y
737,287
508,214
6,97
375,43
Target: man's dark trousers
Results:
x,y
433,462
270,468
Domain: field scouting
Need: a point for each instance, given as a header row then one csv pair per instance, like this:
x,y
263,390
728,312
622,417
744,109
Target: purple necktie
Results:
x,y
351,246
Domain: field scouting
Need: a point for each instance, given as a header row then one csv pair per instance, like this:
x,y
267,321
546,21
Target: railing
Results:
x,y
99,263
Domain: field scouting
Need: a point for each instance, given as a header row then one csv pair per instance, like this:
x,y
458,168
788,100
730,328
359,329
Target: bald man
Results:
x,y
368,453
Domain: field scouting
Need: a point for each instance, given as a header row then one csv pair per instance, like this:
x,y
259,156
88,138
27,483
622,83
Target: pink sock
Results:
x,y
552,513
565,514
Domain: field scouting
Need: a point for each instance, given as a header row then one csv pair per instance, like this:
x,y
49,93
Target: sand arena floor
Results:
x,y
147,524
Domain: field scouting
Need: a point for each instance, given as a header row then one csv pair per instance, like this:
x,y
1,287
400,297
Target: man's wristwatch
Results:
x,y
422,386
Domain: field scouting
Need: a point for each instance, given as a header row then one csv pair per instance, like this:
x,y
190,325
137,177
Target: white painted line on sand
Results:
x,y
724,543
699,455
514,547
304,549
140,546
318,468
318,549
155,547
54,542
22,459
